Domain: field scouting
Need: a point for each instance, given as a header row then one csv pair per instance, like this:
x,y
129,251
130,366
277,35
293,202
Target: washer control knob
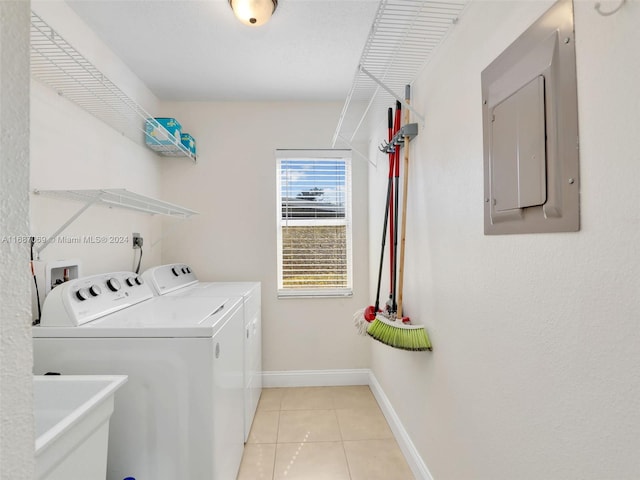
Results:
x,y
176,271
134,281
95,290
82,294
113,284
188,269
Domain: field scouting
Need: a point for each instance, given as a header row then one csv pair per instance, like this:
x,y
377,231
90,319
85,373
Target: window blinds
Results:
x,y
314,223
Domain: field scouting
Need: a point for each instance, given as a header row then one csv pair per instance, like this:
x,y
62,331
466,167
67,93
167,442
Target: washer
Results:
x,y
180,415
179,279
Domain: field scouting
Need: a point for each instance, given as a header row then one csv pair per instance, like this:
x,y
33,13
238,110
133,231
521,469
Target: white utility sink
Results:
x,y
72,415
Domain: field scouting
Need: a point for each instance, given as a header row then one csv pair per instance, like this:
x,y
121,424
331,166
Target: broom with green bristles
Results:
x,y
397,334
397,330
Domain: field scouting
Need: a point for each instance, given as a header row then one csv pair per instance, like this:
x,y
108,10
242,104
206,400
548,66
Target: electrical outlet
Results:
x,y
137,240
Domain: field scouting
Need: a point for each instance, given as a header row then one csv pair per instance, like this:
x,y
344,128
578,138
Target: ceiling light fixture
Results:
x,y
253,12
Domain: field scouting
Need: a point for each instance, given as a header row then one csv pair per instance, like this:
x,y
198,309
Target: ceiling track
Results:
x,y
402,39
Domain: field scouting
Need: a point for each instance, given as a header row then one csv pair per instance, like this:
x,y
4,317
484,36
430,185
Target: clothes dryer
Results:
x,y
180,415
179,279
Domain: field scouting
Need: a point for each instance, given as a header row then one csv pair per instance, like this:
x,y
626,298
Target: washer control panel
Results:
x,y
171,277
82,300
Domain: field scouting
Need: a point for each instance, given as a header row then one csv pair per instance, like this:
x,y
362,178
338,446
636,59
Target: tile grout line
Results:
x,y
275,453
344,450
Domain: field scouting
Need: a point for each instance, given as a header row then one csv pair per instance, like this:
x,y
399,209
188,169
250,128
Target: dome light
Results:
x,y
253,12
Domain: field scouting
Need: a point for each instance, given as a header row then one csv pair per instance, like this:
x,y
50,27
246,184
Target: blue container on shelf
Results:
x,y
157,137
189,142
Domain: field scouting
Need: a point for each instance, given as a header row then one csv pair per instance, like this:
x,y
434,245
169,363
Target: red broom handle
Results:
x,y
393,236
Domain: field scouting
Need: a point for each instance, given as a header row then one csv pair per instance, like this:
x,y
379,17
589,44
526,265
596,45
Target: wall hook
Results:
x,y
386,147
606,14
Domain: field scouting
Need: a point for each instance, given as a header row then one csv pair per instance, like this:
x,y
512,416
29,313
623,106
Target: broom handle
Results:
x,y
403,227
393,234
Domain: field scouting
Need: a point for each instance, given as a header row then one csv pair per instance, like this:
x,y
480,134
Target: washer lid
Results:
x,y
215,289
166,316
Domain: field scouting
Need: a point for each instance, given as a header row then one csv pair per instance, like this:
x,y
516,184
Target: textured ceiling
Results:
x,y
195,50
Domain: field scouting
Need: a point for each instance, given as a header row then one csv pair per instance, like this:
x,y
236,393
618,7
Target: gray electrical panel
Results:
x,y
530,125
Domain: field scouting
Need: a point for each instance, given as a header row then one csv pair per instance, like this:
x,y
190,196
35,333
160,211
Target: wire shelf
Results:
x,y
120,198
404,35
115,197
57,64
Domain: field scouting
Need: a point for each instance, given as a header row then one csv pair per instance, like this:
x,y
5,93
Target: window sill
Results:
x,y
286,294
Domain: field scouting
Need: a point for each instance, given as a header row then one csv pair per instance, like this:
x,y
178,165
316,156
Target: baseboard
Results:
x,y
316,378
417,465
363,376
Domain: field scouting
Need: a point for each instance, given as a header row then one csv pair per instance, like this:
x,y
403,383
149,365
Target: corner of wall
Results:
x,y
16,413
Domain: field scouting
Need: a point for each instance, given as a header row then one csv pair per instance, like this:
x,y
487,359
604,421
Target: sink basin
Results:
x,y
72,415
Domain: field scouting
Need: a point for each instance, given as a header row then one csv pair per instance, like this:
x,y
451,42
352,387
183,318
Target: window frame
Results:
x,y
315,155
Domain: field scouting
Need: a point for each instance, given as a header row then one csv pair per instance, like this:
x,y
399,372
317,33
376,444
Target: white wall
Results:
x,y
71,149
535,372
16,417
233,186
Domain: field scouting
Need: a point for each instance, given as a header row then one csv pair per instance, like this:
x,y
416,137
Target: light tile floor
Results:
x,y
321,433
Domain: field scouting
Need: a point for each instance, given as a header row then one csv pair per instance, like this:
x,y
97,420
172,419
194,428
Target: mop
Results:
x,y
363,317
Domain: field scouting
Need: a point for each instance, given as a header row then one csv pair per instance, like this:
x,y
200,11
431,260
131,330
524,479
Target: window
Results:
x,y
314,223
